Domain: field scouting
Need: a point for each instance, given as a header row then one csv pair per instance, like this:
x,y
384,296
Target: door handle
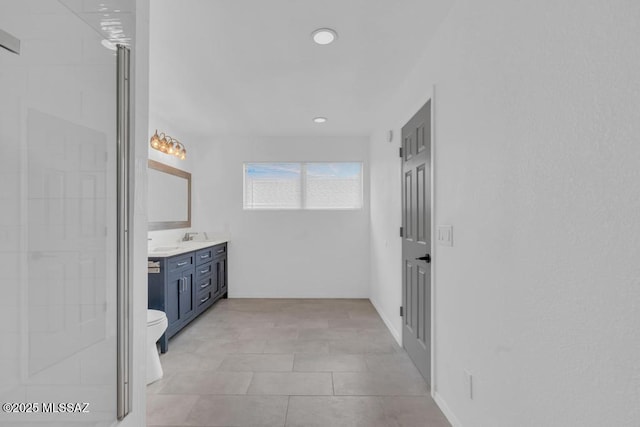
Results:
x,y
426,258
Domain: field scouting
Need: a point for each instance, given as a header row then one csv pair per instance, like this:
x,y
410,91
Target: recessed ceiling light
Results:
x,y
320,119
324,35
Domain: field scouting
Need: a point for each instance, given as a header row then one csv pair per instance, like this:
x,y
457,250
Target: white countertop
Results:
x,y
182,247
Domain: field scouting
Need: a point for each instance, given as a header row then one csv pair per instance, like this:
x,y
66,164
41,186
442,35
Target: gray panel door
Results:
x,y
416,240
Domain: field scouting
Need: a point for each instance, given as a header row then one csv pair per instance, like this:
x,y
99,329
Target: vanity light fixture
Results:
x,y
320,120
324,36
168,145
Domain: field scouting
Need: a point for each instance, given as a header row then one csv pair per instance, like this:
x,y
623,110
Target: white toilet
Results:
x,y
156,325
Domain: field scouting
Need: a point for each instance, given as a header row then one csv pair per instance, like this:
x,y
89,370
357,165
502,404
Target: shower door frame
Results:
x,y
124,219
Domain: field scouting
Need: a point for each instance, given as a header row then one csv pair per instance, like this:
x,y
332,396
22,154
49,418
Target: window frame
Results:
x,y
303,184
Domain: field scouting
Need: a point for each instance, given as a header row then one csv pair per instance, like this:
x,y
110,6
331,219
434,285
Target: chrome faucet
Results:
x,y
188,236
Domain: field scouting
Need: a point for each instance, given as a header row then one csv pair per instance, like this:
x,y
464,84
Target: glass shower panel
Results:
x,y
57,217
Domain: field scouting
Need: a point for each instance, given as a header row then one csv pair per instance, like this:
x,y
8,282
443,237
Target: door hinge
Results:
x,y
401,231
400,151
401,312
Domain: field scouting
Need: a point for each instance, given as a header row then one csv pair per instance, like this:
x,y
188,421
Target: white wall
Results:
x,y
281,254
537,160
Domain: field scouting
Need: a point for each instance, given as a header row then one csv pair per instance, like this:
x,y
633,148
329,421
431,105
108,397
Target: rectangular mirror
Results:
x,y
169,197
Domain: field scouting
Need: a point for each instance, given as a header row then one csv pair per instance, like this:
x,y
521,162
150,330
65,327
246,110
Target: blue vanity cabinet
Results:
x,y
185,285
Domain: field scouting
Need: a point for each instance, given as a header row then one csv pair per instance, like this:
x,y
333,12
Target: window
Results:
x,y
312,185
272,186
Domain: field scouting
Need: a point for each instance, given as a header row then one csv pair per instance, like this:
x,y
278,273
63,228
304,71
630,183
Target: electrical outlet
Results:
x,y
468,379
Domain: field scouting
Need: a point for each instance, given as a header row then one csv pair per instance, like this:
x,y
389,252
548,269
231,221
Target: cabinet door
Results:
x,y
188,296
223,275
217,267
175,286
220,276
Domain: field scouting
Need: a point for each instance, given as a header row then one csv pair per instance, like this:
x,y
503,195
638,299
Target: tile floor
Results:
x,y
306,363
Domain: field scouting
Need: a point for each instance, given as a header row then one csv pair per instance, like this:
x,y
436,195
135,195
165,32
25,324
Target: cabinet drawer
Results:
x,y
204,298
203,270
181,261
204,255
219,250
204,284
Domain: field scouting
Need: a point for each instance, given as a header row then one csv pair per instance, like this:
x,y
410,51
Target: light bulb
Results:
x,y
155,140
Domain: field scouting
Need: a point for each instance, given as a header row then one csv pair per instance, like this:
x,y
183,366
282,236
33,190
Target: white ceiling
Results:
x,y
113,19
250,66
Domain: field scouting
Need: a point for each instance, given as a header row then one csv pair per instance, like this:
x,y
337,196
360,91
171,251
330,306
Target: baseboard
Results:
x,y
253,295
388,323
446,410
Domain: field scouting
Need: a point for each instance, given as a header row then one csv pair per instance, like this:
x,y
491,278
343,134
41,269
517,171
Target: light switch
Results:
x,y
445,235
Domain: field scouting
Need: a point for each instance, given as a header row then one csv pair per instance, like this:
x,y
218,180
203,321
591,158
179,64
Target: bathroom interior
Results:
x,y
202,218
